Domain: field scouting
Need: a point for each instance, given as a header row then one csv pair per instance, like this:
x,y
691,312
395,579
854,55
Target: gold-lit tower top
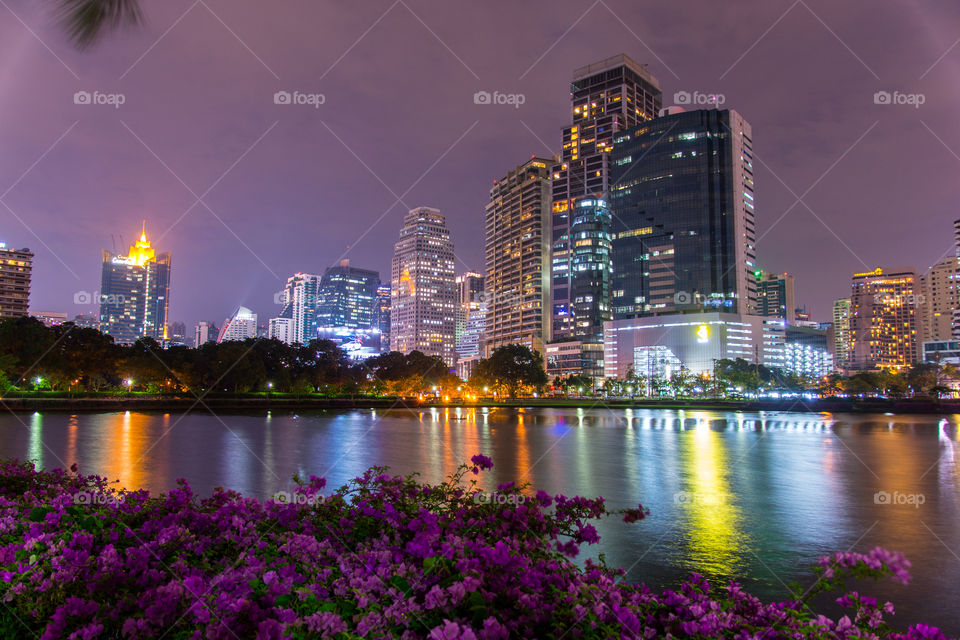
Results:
x,y
141,252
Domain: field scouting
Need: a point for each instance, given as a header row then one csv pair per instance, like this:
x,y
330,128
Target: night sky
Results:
x,y
244,192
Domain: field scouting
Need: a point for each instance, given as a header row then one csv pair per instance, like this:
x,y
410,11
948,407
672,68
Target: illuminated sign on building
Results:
x,y
703,333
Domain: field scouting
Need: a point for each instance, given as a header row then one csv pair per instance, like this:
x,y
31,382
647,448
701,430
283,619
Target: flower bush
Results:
x,y
383,556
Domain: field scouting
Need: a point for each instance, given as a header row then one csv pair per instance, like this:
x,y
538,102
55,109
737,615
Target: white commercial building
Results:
x,y
240,326
659,345
281,329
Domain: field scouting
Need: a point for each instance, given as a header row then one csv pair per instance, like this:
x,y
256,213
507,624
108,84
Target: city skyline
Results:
x,y
833,141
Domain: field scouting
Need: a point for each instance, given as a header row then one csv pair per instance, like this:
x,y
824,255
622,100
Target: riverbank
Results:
x,y
258,402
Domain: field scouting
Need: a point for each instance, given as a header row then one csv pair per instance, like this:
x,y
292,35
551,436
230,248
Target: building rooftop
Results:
x,y
621,60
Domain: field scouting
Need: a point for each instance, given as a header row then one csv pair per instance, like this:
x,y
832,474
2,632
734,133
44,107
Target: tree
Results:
x,y
512,368
85,21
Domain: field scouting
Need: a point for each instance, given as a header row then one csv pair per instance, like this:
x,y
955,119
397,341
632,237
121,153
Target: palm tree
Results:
x,y
85,21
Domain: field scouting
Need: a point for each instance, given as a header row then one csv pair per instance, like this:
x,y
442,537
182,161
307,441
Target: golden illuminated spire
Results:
x,y
141,252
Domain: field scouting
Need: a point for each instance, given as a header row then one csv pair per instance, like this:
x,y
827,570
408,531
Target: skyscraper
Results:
x,y
239,326
470,297
590,267
682,188
135,293
775,296
347,297
383,316
423,291
299,300
841,333
518,257
607,98
884,324
281,329
941,299
15,269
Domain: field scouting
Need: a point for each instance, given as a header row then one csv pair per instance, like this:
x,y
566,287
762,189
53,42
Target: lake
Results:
x,y
756,497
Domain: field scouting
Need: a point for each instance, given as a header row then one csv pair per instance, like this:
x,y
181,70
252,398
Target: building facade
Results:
x,y
383,316
940,289
776,296
607,97
423,293
661,345
518,257
240,326
841,333
347,297
203,333
16,267
807,351
281,329
135,293
683,215
299,305
884,323
469,299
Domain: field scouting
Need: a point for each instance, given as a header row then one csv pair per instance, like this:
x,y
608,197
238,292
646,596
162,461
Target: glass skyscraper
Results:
x,y
135,293
347,297
608,97
299,300
683,215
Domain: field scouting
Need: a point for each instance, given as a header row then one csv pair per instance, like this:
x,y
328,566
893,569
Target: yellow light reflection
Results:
x,y
126,449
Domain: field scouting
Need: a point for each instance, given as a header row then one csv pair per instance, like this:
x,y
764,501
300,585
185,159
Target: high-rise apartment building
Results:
x,y
775,296
884,323
841,333
203,333
940,300
469,298
281,329
299,300
240,326
135,293
683,215
518,257
347,297
16,266
607,98
423,291
383,316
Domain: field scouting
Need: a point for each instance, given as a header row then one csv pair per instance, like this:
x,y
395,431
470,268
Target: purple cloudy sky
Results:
x,y
244,192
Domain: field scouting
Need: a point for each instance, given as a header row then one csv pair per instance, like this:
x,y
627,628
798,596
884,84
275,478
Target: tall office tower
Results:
x,y
775,296
239,326
683,188
940,300
299,300
607,97
518,257
203,333
469,298
841,333
423,293
383,316
884,324
347,297
15,269
135,293
590,268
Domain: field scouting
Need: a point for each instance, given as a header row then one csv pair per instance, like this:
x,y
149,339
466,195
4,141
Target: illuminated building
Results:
x,y
16,266
683,229
574,357
423,293
383,315
49,318
347,298
469,298
517,257
694,341
299,300
281,329
942,352
941,299
203,333
473,338
883,319
590,269
807,352
177,334
775,296
240,326
607,97
135,293
841,333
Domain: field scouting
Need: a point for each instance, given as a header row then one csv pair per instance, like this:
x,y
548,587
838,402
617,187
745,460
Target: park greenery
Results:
x,y
75,360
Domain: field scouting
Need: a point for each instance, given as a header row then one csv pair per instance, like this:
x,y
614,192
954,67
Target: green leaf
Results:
x,y
37,514
402,585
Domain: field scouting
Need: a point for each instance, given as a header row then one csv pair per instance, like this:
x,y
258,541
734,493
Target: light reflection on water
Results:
x,y
755,497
